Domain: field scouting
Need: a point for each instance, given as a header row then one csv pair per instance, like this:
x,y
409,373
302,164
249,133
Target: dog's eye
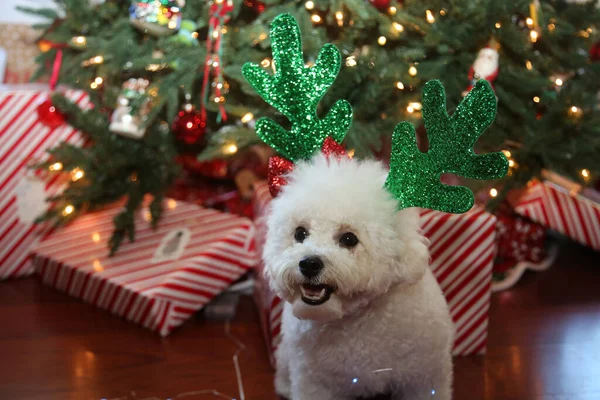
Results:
x,y
300,234
349,240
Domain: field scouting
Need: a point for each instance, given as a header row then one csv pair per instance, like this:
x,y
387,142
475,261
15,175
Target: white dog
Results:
x,y
364,315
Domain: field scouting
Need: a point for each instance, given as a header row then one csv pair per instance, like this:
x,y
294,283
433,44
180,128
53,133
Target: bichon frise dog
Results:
x,y
364,315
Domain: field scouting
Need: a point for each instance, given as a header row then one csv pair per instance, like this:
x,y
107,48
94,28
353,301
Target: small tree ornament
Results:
x,y
187,33
157,17
414,178
189,126
381,5
595,52
47,112
485,67
133,106
49,115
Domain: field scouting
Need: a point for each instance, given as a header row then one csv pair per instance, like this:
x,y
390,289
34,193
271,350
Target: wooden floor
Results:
x,y
544,343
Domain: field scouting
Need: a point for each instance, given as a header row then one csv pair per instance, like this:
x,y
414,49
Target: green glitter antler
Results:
x,y
414,177
295,90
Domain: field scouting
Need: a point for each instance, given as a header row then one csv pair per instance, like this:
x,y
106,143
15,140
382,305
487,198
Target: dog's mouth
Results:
x,y
315,295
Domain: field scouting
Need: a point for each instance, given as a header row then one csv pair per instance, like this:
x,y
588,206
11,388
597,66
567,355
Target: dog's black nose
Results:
x,y
311,266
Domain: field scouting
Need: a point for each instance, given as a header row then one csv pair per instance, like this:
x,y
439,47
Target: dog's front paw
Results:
x,y
283,391
283,387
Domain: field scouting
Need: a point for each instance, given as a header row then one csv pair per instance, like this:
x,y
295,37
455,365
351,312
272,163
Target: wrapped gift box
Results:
x,y
220,195
163,277
24,139
462,252
565,207
19,41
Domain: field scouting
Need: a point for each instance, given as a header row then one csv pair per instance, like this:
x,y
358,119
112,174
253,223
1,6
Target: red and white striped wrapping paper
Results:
x,y
23,139
560,208
157,295
462,253
269,305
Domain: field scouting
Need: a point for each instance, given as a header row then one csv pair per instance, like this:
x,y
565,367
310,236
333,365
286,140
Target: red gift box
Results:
x,y
462,252
24,139
563,206
163,277
222,196
519,239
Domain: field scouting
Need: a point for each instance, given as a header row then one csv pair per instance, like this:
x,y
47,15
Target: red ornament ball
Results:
x,y
189,127
259,6
595,52
380,4
49,114
218,169
255,5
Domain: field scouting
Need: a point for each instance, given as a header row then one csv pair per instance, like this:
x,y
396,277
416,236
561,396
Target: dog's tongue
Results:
x,y
313,290
329,311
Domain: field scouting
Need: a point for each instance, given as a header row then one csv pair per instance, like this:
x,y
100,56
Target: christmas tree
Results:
x,y
164,79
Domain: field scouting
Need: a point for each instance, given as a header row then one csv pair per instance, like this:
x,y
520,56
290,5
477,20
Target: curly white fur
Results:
x,y
386,328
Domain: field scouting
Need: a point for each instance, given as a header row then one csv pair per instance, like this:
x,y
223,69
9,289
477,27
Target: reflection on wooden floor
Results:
x,y
544,336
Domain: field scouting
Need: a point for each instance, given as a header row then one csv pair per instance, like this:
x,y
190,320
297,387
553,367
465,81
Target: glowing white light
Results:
x,y
533,35
68,210
429,16
247,117
416,105
230,148
77,174
528,64
398,26
354,380
57,166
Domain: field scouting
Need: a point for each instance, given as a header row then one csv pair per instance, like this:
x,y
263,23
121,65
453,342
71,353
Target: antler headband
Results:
x,y
414,178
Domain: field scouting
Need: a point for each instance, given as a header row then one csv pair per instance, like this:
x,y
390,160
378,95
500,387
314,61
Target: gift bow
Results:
x,y
279,167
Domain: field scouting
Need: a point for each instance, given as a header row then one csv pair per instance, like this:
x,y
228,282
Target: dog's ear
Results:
x,y
413,252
